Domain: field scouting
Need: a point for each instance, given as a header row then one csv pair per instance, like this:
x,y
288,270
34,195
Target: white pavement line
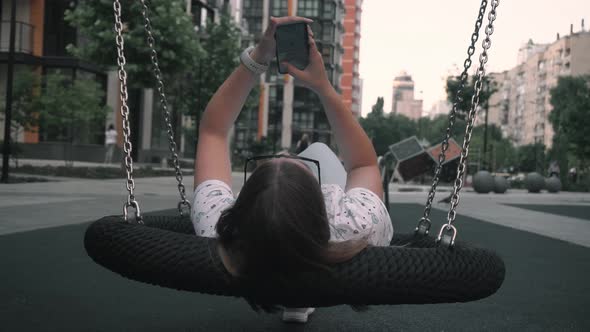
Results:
x,y
490,209
555,226
62,214
35,200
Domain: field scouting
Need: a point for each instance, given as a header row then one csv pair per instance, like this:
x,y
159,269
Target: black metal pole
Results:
x,y
8,108
485,128
275,131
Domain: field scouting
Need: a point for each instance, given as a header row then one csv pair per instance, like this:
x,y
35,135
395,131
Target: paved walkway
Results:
x,y
54,162
71,201
497,209
50,279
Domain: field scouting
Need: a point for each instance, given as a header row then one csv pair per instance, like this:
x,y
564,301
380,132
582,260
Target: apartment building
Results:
x,y
521,106
286,110
350,81
42,35
403,100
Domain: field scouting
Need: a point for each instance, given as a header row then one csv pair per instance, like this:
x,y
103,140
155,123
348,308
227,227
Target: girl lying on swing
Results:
x,y
284,220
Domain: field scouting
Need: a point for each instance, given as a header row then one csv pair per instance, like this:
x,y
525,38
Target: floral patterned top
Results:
x,y
353,214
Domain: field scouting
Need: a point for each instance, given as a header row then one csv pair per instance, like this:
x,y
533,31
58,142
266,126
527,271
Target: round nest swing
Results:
x,y
416,268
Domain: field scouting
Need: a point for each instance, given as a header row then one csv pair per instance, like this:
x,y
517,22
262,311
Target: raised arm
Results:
x,y
358,154
212,160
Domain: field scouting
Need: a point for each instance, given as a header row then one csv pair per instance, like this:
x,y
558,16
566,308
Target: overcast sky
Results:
x,y
429,39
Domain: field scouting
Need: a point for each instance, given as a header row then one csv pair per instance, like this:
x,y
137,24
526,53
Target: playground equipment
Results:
x,y
534,182
483,182
416,268
553,184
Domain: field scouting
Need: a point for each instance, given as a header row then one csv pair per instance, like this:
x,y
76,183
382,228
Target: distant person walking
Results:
x,y
554,169
573,174
302,144
110,142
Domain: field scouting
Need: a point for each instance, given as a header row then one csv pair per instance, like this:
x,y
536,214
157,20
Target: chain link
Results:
x,y
127,147
424,223
483,59
164,105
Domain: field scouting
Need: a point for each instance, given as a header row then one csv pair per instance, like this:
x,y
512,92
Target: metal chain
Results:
x,y
449,230
127,147
424,224
164,104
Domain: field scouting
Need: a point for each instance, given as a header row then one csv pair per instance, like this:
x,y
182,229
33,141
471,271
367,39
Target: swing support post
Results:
x,y
8,108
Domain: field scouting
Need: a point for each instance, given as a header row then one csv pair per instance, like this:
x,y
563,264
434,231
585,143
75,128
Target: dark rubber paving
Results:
x,y
48,283
574,211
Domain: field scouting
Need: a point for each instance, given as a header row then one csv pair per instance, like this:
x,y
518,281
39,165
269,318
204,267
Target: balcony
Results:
x,y
23,42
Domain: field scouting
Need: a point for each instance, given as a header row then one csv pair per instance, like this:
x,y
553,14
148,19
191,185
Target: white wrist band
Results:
x,y
252,65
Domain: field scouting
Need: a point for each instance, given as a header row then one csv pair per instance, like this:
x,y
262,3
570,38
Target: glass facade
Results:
x,y
279,8
57,33
252,11
201,14
308,8
308,115
275,114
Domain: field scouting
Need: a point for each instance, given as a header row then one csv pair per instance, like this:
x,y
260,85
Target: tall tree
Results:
x,y
24,115
531,158
220,43
176,41
570,118
434,130
70,107
193,64
386,129
23,112
378,107
489,87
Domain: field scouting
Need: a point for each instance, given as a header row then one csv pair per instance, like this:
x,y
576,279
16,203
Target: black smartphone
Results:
x,y
292,45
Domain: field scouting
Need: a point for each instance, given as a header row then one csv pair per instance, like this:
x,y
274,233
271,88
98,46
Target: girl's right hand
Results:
x,y
314,76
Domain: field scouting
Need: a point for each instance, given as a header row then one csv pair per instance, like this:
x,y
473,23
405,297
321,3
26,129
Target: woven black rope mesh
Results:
x,y
166,252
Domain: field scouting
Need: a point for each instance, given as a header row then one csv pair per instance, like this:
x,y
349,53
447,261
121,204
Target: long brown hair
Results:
x,y
278,226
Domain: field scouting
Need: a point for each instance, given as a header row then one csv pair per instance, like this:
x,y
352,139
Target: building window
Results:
x,y
57,33
308,8
328,31
254,25
329,11
327,52
253,7
275,107
272,73
201,15
303,120
279,8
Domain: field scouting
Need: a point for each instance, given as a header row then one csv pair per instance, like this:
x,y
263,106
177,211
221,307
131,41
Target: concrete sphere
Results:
x,y
483,182
553,184
534,182
500,184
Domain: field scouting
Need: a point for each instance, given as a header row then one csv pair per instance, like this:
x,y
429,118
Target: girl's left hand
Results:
x,y
266,48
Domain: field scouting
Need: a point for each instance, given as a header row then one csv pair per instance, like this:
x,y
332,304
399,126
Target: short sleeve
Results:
x,y
358,213
211,198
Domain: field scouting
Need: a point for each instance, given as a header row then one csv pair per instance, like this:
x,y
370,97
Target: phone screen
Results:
x,y
292,46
